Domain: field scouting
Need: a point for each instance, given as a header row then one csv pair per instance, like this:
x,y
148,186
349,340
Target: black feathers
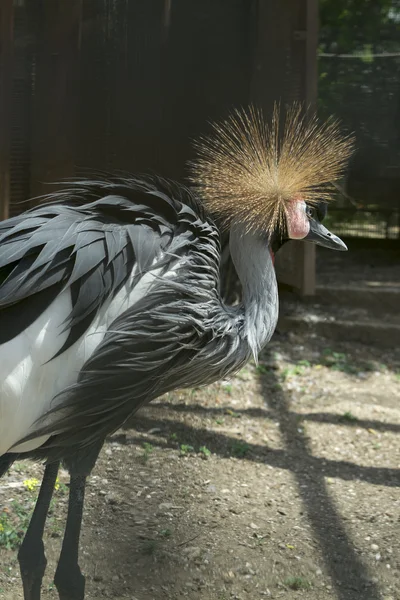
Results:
x,y
91,248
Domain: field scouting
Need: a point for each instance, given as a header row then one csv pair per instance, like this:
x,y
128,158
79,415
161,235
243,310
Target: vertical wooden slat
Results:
x,y
271,52
6,56
55,93
285,70
167,17
312,53
308,273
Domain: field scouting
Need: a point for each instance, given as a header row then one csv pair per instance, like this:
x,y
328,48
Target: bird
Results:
x,y
110,296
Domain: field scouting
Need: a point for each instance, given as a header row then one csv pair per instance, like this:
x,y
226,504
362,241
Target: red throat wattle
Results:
x,y
272,256
297,221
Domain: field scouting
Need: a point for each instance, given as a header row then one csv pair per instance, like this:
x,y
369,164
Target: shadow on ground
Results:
x,y
347,571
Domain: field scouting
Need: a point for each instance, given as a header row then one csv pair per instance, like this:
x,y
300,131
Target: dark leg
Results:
x,y
68,579
6,461
31,557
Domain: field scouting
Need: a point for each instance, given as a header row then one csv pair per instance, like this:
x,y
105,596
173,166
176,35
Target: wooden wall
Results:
x,y
163,70
6,66
127,84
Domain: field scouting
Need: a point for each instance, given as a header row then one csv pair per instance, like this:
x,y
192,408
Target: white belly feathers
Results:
x,y
28,382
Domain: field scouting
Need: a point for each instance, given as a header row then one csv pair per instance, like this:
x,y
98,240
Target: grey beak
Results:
x,y
321,236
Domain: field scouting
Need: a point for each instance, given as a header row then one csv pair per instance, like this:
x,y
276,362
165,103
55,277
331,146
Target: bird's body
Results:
x,y
110,297
119,319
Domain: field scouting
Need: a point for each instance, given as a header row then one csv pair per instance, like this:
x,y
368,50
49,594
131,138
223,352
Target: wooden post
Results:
x,y
6,69
286,70
55,94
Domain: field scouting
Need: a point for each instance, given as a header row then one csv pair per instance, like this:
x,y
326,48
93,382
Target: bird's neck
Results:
x,y
254,265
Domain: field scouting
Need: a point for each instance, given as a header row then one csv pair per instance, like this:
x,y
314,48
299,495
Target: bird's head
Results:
x,y
274,178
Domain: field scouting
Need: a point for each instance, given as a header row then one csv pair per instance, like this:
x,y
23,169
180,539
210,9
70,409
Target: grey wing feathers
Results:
x,y
91,248
177,335
170,338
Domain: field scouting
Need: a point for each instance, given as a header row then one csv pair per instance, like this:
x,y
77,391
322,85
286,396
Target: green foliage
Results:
x,y
240,449
205,451
148,450
359,85
13,524
186,449
297,583
14,520
347,24
338,361
149,547
296,370
227,387
165,533
232,413
349,417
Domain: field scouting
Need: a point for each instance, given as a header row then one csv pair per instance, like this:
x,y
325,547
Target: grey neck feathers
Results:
x,y
252,259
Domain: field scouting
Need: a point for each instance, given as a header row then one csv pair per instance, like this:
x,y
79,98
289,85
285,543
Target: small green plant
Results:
x,y
296,370
240,449
148,449
304,363
14,520
338,361
19,467
149,547
13,525
186,449
297,583
61,488
165,533
349,417
220,421
173,437
227,387
232,413
262,369
205,451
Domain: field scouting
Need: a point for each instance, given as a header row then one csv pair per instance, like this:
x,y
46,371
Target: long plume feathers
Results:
x,y
247,170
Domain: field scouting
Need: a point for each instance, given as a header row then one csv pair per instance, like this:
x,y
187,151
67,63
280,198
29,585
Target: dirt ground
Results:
x,y
369,263
280,483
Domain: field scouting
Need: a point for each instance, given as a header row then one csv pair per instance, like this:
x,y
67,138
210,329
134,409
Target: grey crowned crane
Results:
x,y
109,298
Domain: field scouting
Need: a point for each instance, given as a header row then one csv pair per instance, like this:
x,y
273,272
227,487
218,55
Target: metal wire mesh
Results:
x,y
365,223
359,82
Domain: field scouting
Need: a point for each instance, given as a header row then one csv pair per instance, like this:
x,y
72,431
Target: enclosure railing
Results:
x,y
379,223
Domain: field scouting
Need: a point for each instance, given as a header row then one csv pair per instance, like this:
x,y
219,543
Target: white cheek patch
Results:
x,y
297,221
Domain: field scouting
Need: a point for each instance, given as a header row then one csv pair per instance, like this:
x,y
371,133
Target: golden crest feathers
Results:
x,y
247,170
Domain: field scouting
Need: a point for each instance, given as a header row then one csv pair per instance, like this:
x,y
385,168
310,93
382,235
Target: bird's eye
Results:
x,y
310,212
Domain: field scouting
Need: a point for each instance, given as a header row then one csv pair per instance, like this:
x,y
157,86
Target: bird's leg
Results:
x,y
68,579
31,557
6,461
